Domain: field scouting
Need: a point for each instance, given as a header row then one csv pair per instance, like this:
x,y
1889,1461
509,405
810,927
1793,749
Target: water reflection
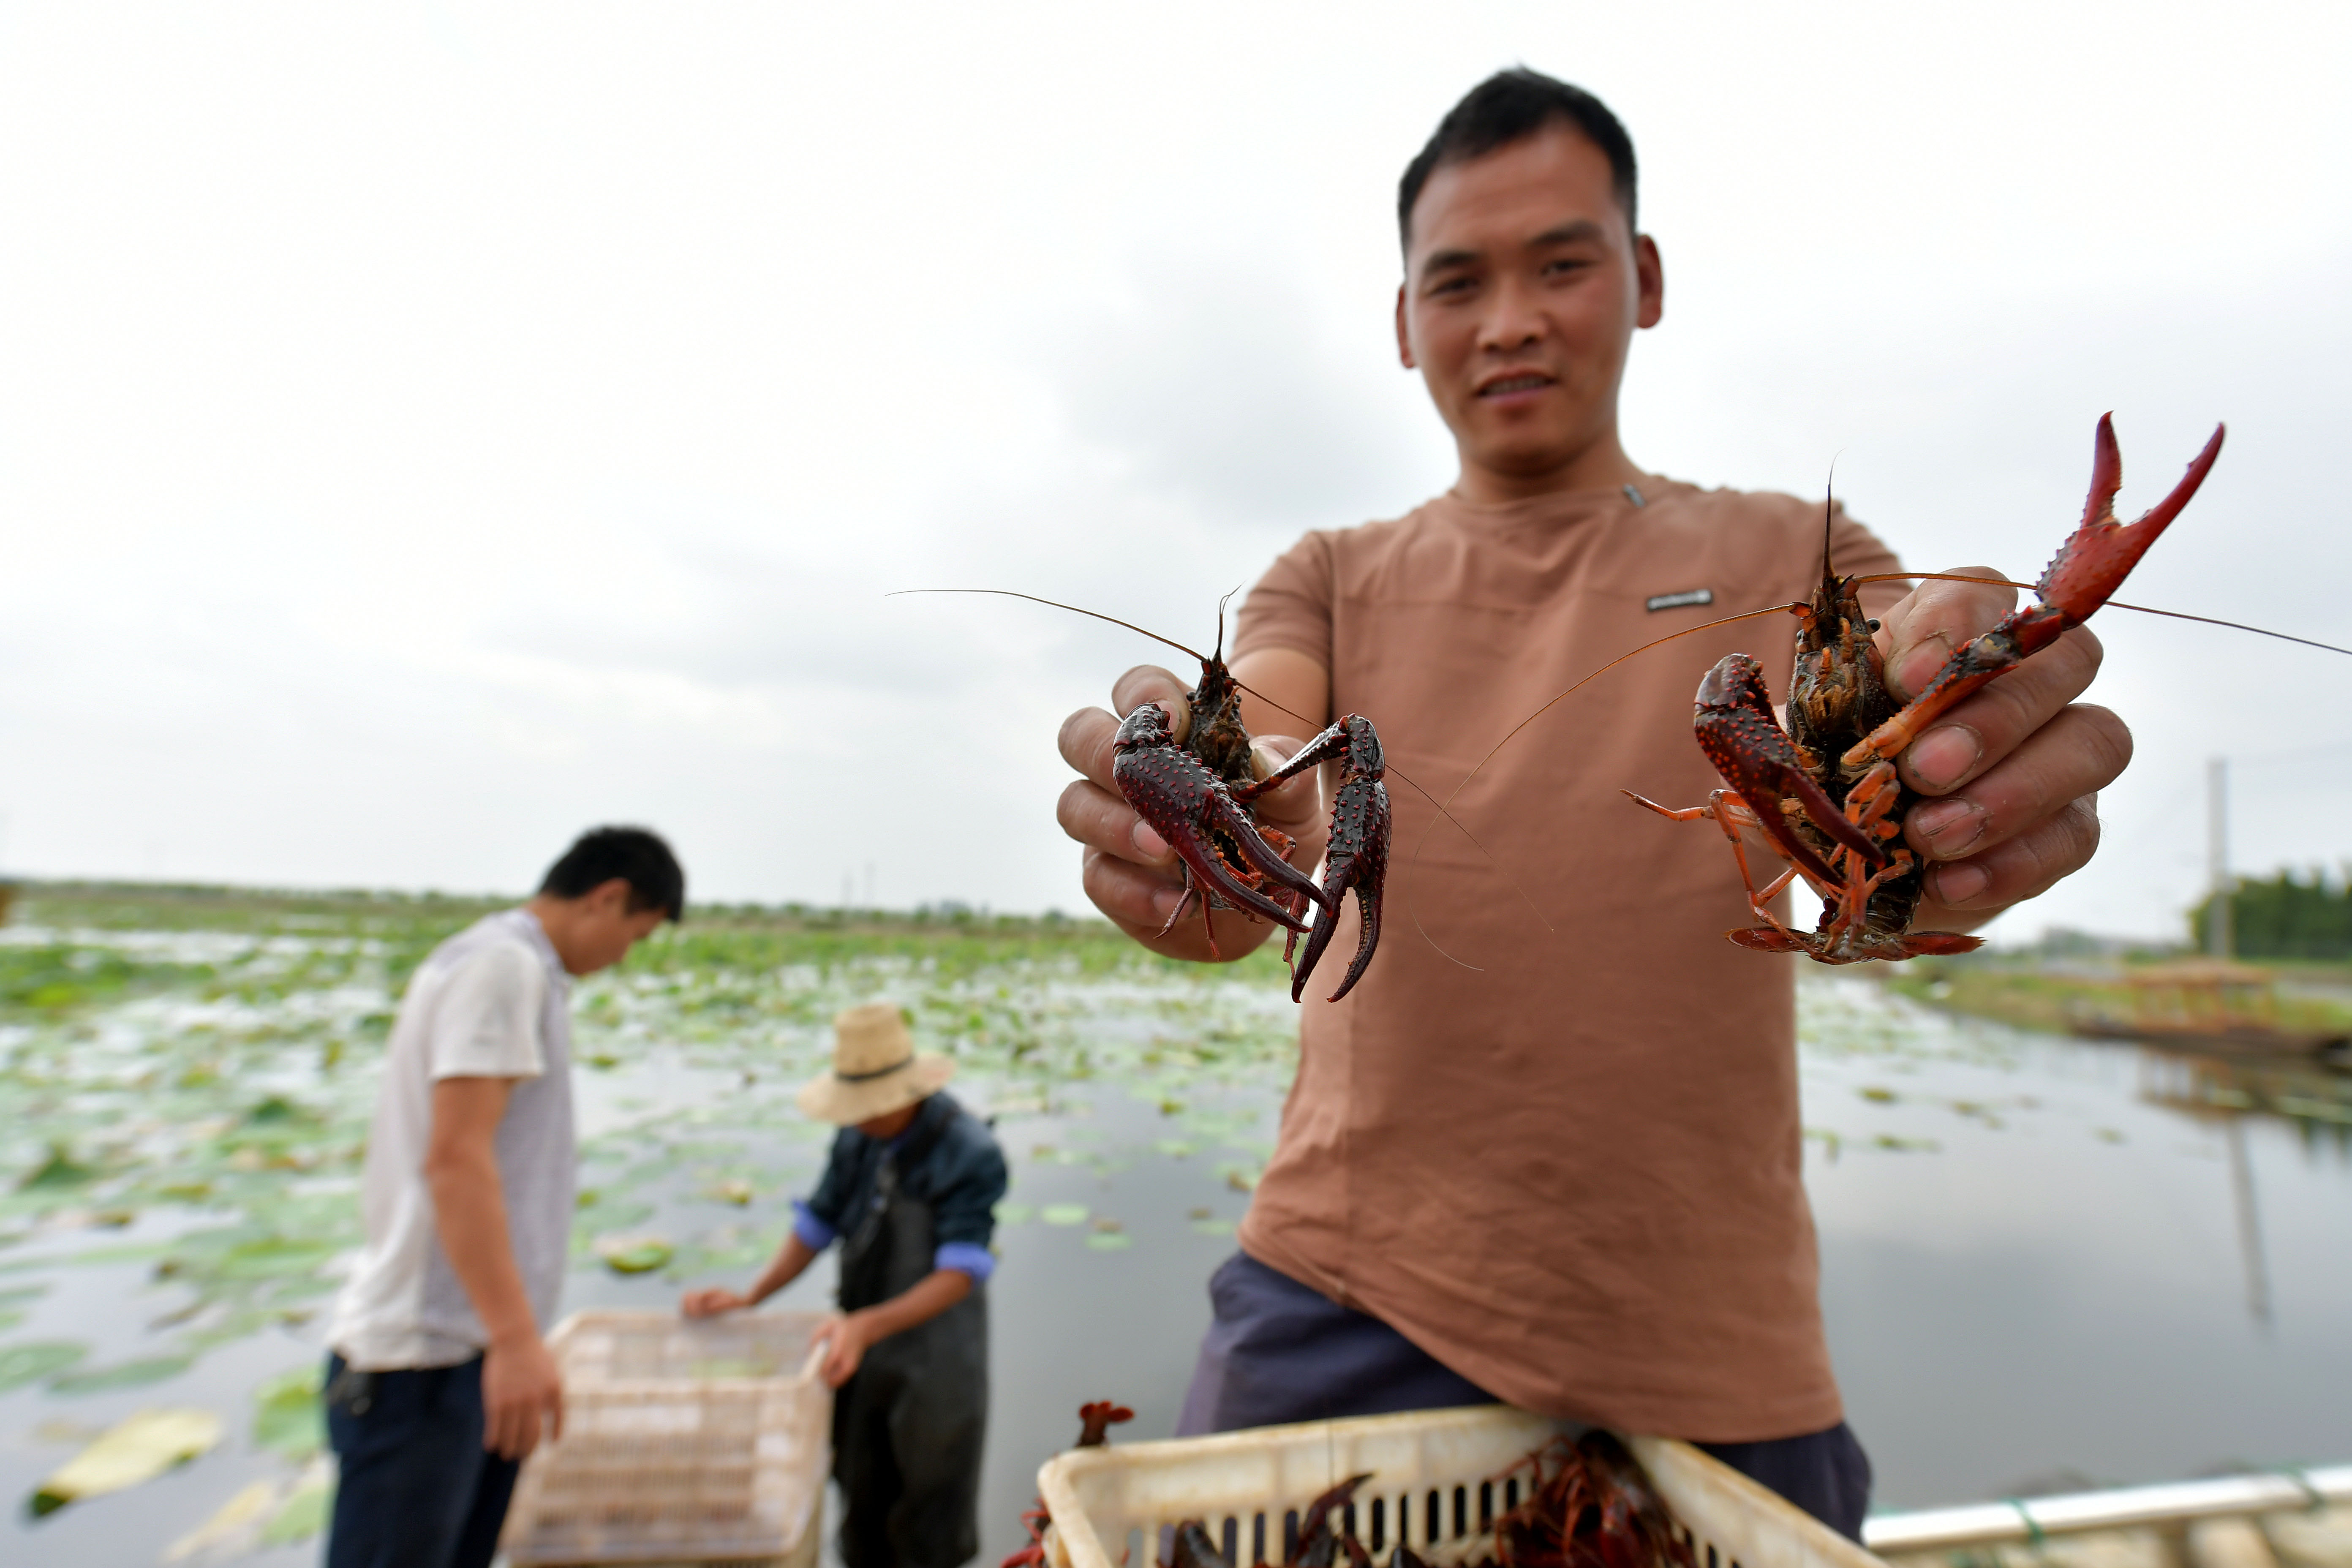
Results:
x,y
2045,1255
2041,1257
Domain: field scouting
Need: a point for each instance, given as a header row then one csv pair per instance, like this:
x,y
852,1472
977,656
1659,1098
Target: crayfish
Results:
x,y
1326,1535
1194,790
1824,792
1095,1421
1191,775
1594,1508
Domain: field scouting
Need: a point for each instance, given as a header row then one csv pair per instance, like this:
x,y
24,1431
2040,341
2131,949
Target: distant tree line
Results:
x,y
2285,918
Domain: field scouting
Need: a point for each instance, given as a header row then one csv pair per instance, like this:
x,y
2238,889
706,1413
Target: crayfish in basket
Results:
x,y
1326,1535
1591,1506
1824,792
1095,1421
1193,777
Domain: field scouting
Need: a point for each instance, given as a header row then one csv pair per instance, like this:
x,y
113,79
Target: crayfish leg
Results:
x,y
1937,943
1771,938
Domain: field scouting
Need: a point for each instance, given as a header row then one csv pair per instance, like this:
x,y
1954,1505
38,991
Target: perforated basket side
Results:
x,y
1439,1478
659,1470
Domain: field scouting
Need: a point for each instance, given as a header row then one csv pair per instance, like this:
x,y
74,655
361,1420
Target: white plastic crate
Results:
x,y
1433,1487
683,1442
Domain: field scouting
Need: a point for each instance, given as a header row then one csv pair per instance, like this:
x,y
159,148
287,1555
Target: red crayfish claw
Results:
x,y
2084,573
1358,855
1096,1420
2096,558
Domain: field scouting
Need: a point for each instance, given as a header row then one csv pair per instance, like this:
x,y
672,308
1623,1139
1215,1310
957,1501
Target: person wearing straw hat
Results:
x,y
910,1193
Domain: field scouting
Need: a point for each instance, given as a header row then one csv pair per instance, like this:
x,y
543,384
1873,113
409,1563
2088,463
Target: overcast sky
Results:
x,y
425,432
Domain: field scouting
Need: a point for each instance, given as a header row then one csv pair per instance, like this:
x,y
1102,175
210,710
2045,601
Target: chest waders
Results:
x,y
906,1427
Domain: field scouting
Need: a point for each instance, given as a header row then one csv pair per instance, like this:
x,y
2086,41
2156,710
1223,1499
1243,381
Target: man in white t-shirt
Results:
x,y
437,1380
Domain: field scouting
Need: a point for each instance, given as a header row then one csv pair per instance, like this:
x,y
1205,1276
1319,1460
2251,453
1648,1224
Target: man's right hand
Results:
x,y
712,1301
1131,875
520,1383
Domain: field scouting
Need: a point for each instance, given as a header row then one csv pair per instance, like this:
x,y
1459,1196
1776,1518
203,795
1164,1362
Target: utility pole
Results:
x,y
2218,938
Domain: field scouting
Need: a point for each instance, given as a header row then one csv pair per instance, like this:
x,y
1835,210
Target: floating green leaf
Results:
x,y
59,1169
288,1418
21,1365
304,1513
1110,1241
634,1253
1063,1214
122,1374
1014,1214
132,1451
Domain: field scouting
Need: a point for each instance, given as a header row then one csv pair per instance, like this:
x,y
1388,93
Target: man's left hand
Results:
x,y
845,1340
2013,770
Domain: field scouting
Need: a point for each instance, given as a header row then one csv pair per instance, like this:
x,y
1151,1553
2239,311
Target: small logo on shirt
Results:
x,y
1677,601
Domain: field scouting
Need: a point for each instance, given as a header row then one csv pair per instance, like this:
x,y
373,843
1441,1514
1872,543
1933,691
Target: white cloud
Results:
x,y
423,433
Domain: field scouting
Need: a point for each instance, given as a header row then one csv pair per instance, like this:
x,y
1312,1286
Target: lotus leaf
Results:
x,y
305,1512
1063,1214
21,1365
59,1169
132,1451
634,1253
288,1418
122,1374
235,1527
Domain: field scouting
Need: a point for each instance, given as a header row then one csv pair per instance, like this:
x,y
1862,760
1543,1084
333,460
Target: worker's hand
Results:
x,y
2015,769
520,1385
712,1301
1130,874
845,1341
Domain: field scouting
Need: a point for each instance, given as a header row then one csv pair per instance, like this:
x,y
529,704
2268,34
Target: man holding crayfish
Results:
x,y
1570,1177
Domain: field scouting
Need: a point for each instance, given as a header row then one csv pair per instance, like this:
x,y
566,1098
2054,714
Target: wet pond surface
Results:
x,y
2045,1262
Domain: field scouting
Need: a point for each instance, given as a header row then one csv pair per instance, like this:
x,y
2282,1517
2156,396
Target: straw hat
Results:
x,y
875,1069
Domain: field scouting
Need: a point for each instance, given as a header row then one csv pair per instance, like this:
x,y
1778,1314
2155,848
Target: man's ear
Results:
x,y
613,892
1404,339
1650,279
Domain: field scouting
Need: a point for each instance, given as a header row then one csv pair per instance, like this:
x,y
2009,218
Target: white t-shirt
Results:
x,y
491,1001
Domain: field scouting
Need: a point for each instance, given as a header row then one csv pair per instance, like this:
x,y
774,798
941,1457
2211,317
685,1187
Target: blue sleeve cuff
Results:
x,y
967,1256
814,1234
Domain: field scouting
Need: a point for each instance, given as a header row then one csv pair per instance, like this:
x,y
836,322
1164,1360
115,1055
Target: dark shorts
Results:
x,y
1279,1351
418,1489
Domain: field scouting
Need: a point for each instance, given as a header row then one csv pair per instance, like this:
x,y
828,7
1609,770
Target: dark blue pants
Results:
x,y
419,1489
1279,1351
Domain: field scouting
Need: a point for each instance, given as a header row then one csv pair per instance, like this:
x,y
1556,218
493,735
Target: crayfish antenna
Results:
x,y
1221,622
2093,562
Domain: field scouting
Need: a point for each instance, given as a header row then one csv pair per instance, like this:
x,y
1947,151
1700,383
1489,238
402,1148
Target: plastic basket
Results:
x,y
683,1442
1437,1484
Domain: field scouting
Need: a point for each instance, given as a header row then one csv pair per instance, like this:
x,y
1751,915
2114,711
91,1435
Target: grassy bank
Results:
x,y
2036,993
405,926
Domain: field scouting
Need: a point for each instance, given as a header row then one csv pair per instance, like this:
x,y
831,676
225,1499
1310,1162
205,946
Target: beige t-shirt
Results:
x,y
1572,1173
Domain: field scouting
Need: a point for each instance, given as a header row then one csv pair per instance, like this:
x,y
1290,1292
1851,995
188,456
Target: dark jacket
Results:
x,y
961,1176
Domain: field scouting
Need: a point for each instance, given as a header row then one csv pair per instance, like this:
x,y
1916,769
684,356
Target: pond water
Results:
x,y
2045,1262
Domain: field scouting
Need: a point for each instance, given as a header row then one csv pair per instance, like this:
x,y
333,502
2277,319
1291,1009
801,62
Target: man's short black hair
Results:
x,y
636,856
1508,107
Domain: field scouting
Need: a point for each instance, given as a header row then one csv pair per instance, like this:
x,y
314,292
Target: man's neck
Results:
x,y
1602,466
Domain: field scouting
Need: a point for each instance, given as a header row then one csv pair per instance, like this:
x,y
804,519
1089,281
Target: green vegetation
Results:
x,y
209,1057
2033,993
2285,918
